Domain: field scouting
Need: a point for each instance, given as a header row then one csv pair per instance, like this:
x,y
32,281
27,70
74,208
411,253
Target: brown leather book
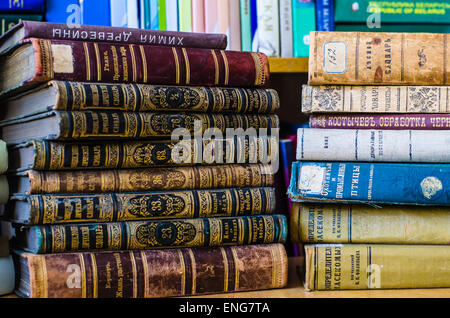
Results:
x,y
152,273
39,60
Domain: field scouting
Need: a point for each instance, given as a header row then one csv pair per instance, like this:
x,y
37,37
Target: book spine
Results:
x,y
390,183
376,99
235,269
115,63
373,145
7,21
60,31
254,24
246,37
325,15
50,155
268,27
172,15
286,36
132,14
96,12
185,15
118,14
78,125
77,96
303,22
11,6
379,121
118,207
162,15
376,266
7,278
375,58
223,19
183,178
154,15
211,16
198,16
235,25
176,233
3,157
63,11
330,223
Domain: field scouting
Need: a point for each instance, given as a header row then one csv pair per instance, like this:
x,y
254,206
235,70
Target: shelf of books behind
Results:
x,y
94,186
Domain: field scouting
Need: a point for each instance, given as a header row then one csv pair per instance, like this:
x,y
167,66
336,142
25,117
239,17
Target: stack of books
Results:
x,y
372,178
126,186
12,12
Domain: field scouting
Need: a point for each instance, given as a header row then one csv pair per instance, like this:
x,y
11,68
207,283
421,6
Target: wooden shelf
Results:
x,y
288,65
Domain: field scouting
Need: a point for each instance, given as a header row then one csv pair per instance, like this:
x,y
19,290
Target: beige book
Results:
x,y
376,266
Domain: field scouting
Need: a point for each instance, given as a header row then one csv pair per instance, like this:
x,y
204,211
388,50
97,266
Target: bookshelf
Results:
x,y
288,65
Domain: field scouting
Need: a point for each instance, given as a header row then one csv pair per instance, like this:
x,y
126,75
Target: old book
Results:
x,y
153,273
339,223
79,96
137,180
376,58
38,60
3,157
118,207
364,182
375,99
8,21
373,145
7,275
381,121
53,155
376,266
96,33
151,234
85,125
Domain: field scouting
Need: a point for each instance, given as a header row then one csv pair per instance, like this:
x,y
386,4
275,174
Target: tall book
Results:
x,y
325,15
144,14
286,35
384,183
132,14
376,266
99,62
162,15
212,16
198,16
96,12
268,27
119,16
223,19
172,15
13,6
371,58
152,273
303,22
154,15
63,11
245,14
254,24
235,25
8,21
185,15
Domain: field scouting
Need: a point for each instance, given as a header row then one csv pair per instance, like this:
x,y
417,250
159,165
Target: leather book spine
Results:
x,y
156,179
145,64
143,98
154,273
118,207
151,234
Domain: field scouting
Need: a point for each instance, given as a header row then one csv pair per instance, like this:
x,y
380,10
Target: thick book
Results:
x,y
371,145
8,21
54,155
95,33
268,27
375,99
303,22
152,234
363,182
376,266
152,273
286,35
79,96
7,275
90,125
119,207
39,60
339,223
12,6
325,15
381,121
377,58
138,180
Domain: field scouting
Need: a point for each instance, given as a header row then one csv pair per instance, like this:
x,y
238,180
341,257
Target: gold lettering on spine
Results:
x,y
183,273
225,269
133,63
94,276
99,62
83,275
135,282
144,64
194,272
188,68
146,277
88,63
216,68
43,282
47,58
227,71
177,65
236,269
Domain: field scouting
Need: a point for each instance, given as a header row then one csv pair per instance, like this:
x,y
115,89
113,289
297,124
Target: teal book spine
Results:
x,y
246,26
303,22
143,235
154,15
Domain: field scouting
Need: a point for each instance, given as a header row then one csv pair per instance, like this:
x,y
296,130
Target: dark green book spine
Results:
x,y
140,235
7,21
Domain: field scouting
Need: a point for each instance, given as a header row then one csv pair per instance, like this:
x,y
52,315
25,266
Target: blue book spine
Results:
x,y
35,6
63,11
324,15
154,21
253,23
96,12
389,183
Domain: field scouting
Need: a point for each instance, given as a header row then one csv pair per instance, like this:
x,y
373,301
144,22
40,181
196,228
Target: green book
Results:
x,y
162,17
10,20
246,27
303,22
393,11
395,27
185,15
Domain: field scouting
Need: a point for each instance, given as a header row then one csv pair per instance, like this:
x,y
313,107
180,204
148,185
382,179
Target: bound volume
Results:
x,y
39,60
102,207
153,273
77,96
376,58
134,235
